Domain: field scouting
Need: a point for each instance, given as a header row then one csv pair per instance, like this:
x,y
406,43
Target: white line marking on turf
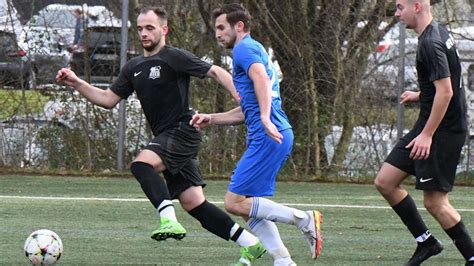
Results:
x,y
214,202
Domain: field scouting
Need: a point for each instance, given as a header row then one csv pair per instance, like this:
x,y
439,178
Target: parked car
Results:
x,y
15,67
99,53
46,37
21,142
383,68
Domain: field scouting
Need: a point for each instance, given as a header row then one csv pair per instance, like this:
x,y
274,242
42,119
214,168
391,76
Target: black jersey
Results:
x,y
437,58
161,82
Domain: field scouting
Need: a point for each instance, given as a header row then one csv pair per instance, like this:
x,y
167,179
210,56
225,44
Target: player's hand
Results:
x,y
409,96
200,121
67,77
420,147
272,130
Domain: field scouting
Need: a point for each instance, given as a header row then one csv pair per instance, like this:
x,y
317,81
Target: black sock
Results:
x,y
410,216
461,239
151,182
213,219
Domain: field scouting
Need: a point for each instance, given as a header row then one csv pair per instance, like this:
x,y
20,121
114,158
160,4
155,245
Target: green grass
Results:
x,y
117,232
20,102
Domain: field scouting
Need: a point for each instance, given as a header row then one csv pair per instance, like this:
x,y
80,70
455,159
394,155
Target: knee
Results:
x,y
138,168
134,166
192,198
381,185
190,204
434,207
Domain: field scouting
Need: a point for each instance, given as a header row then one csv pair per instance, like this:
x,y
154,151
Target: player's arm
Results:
x,y
263,90
443,95
104,98
422,143
232,117
225,79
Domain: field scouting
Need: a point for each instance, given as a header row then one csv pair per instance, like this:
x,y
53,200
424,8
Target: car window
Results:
x,y
54,18
103,36
8,43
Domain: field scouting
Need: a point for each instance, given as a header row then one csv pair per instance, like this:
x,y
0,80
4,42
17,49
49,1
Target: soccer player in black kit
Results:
x,y
431,150
161,79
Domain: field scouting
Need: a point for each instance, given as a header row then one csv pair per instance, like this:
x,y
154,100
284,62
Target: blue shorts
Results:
x,y
256,171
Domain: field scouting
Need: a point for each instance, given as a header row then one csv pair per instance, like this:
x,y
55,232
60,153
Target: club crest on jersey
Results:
x,y
155,72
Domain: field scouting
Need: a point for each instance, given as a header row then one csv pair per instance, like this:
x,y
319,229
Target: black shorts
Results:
x,y
178,147
437,173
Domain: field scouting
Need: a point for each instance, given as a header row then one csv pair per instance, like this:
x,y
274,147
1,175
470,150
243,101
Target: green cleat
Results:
x,y
250,254
168,229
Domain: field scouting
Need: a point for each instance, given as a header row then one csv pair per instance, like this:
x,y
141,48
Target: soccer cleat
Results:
x,y
168,229
312,232
250,254
423,253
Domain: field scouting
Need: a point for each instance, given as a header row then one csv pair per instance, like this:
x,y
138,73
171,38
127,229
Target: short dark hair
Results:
x,y
235,12
158,10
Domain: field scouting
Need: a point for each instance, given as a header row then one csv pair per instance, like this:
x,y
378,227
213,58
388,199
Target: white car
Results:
x,y
383,69
46,37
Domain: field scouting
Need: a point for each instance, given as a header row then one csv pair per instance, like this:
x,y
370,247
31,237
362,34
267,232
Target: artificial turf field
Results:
x,y
108,221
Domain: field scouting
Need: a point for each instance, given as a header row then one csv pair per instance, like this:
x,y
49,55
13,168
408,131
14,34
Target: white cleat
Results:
x,y
312,232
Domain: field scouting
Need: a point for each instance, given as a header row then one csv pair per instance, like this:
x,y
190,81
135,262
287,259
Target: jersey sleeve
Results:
x,y
245,55
190,64
436,60
123,86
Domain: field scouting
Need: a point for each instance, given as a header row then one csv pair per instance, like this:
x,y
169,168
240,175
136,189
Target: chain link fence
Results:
x,y
339,65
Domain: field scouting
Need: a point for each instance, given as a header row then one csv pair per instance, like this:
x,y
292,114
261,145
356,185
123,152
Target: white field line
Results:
x,y
214,202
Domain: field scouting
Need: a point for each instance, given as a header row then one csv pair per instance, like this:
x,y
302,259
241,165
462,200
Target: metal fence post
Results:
x,y
401,81
122,111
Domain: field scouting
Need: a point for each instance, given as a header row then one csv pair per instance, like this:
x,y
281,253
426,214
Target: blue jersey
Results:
x,y
245,53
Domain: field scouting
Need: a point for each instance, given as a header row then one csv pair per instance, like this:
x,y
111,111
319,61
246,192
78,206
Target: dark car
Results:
x,y
99,55
15,67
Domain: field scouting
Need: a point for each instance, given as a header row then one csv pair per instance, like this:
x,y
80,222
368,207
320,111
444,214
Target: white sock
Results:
x,y
471,259
267,232
269,210
246,239
166,209
423,237
284,261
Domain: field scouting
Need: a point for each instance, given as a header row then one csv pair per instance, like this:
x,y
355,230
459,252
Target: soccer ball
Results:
x,y
43,247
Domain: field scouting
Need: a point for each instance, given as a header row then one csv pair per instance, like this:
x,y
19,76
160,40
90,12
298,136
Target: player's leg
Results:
x,y
154,187
438,205
175,147
436,178
309,222
268,233
388,182
144,168
255,176
218,222
397,167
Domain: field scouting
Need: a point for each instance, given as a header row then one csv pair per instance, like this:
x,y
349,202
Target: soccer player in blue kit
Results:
x,y
431,150
269,139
